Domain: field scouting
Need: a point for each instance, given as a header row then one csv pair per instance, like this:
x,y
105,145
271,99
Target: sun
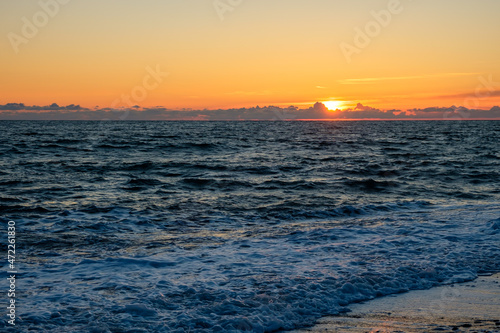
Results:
x,y
333,105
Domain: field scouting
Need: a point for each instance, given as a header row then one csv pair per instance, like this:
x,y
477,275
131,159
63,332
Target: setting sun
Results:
x,y
333,105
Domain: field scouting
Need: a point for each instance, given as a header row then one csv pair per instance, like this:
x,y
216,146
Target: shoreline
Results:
x,y
460,307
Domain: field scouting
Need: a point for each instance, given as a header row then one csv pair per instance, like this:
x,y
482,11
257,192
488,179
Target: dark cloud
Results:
x,y
13,106
361,107
20,111
482,93
53,106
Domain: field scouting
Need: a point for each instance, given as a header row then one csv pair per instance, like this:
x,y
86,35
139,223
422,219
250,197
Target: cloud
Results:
x,y
13,106
53,106
361,107
454,112
20,111
478,94
251,93
372,80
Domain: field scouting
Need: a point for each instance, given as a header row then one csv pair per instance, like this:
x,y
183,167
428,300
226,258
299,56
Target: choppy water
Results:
x,y
206,226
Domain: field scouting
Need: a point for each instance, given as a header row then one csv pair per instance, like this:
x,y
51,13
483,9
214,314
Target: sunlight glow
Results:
x,y
333,105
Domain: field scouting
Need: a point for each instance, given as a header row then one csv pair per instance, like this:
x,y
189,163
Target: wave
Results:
x,y
286,278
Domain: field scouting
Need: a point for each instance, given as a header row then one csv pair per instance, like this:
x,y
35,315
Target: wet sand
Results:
x,y
466,307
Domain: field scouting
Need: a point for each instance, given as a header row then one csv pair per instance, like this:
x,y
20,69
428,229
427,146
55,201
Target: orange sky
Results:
x,y
260,52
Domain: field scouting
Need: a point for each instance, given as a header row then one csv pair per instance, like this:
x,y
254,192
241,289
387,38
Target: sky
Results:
x,y
399,55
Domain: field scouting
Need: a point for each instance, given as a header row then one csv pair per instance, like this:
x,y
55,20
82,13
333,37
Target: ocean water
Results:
x,y
240,226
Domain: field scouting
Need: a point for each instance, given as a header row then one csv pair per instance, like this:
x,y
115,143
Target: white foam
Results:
x,y
279,277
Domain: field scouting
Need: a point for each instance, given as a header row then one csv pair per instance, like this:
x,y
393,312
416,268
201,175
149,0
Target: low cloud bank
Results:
x,y
19,111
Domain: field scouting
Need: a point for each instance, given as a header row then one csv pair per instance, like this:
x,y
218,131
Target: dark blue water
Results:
x,y
205,226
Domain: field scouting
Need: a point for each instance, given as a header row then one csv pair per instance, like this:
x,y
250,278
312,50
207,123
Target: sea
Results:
x,y
130,226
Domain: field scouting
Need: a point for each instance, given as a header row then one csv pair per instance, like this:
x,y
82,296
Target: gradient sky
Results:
x,y
263,52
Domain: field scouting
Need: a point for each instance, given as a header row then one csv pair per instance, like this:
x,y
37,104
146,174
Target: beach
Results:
x,y
465,307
